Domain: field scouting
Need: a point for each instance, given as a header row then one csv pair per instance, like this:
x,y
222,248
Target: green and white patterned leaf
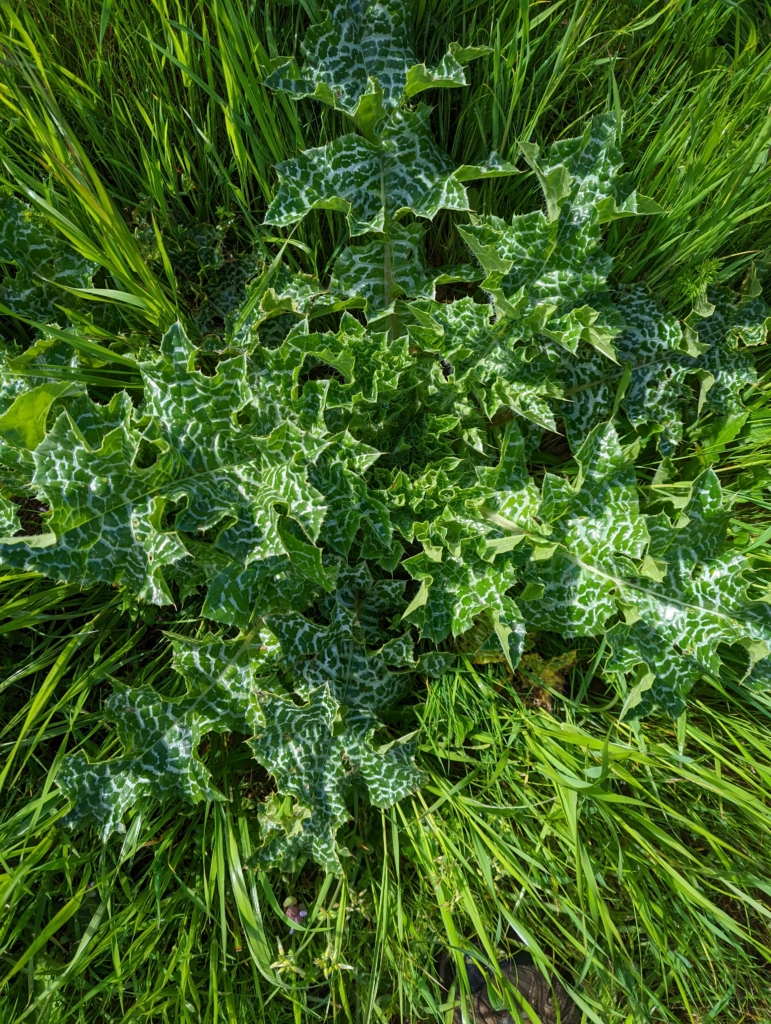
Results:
x,y
454,502
9,518
41,260
595,522
464,524
651,391
358,370
290,293
547,268
160,737
316,752
361,670
652,384
375,183
751,322
352,506
731,369
696,601
237,596
272,306
392,267
456,591
361,60
679,595
486,359
107,509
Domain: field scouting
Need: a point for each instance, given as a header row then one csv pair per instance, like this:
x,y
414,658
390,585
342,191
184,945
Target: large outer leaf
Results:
x,y
374,183
315,752
653,390
160,737
680,602
107,509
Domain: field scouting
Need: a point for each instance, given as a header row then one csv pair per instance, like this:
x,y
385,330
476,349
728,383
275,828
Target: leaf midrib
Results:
x,y
624,582
150,493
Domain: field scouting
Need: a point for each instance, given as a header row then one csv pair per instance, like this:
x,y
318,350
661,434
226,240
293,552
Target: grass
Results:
x,y
631,859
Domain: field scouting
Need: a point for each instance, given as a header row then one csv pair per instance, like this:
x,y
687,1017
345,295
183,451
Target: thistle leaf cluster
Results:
x,y
352,507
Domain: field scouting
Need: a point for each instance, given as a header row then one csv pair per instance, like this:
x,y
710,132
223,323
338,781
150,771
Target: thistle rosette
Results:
x,y
354,506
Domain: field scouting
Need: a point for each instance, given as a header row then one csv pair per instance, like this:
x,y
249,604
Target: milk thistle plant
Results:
x,y
347,509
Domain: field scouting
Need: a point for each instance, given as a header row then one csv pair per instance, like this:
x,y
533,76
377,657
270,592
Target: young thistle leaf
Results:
x,y
361,60
468,562
547,269
487,359
392,267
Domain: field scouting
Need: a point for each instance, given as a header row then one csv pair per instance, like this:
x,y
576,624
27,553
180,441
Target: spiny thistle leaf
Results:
x,y
235,595
107,509
350,653
596,529
731,370
392,267
9,518
374,183
315,752
656,379
547,268
486,359
41,261
161,737
648,382
466,566
361,60
694,600
750,322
